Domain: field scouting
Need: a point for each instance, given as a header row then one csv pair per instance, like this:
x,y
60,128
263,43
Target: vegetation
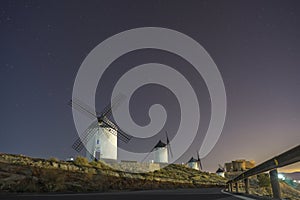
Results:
x,y
263,180
24,174
260,186
81,161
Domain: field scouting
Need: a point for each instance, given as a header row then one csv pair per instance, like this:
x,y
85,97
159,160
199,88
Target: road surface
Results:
x,y
185,194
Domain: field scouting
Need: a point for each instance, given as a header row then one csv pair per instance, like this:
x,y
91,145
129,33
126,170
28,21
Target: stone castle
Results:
x,y
239,165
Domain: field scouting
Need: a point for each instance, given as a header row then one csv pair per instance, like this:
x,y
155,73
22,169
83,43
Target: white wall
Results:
x,y
193,165
107,144
161,155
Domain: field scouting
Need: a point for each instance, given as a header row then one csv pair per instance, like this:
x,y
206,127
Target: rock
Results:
x,y
63,166
73,168
54,164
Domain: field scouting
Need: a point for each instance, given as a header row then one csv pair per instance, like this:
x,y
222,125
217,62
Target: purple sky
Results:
x,y
255,44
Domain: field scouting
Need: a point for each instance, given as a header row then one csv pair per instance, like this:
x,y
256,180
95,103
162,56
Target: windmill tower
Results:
x,y
100,138
195,163
161,151
103,143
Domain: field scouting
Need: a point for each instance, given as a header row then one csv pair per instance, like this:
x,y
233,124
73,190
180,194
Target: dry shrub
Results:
x,y
81,161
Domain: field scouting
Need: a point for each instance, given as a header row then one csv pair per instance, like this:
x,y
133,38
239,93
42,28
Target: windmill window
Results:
x,y
97,141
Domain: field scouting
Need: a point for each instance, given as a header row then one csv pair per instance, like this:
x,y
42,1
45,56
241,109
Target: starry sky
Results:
x,y
255,44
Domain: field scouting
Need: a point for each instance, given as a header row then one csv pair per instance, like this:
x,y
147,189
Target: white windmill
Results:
x,y
161,151
221,171
100,138
195,163
103,143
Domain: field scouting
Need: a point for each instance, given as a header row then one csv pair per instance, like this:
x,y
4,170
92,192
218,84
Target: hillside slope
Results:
x,y
24,174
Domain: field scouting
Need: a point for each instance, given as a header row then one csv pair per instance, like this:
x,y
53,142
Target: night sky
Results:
x,y
255,44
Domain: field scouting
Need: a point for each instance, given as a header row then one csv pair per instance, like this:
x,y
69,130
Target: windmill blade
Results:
x,y
126,136
188,161
221,167
79,107
167,138
86,106
78,145
121,134
147,155
199,160
171,153
200,165
168,145
115,103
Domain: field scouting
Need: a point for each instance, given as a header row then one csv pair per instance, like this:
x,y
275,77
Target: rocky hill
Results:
x,y
24,174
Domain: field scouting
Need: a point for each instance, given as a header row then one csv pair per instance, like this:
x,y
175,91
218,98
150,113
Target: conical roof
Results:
x,y
193,160
160,144
108,121
220,170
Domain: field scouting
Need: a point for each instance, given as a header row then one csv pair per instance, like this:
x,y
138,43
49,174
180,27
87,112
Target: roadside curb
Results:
x,y
237,196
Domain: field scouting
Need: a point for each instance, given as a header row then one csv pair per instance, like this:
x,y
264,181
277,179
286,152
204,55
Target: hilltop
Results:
x,y
20,173
293,175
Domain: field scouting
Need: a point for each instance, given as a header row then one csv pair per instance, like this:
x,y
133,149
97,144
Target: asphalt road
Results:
x,y
185,194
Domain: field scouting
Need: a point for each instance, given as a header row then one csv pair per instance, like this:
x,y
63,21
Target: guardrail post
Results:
x,y
246,181
230,187
237,187
287,158
275,184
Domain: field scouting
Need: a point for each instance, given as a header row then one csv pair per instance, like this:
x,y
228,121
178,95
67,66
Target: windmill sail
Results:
x,y
121,134
159,144
78,145
76,104
106,112
102,121
168,145
199,161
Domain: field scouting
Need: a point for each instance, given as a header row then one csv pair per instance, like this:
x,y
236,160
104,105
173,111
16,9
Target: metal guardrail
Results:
x,y
287,158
